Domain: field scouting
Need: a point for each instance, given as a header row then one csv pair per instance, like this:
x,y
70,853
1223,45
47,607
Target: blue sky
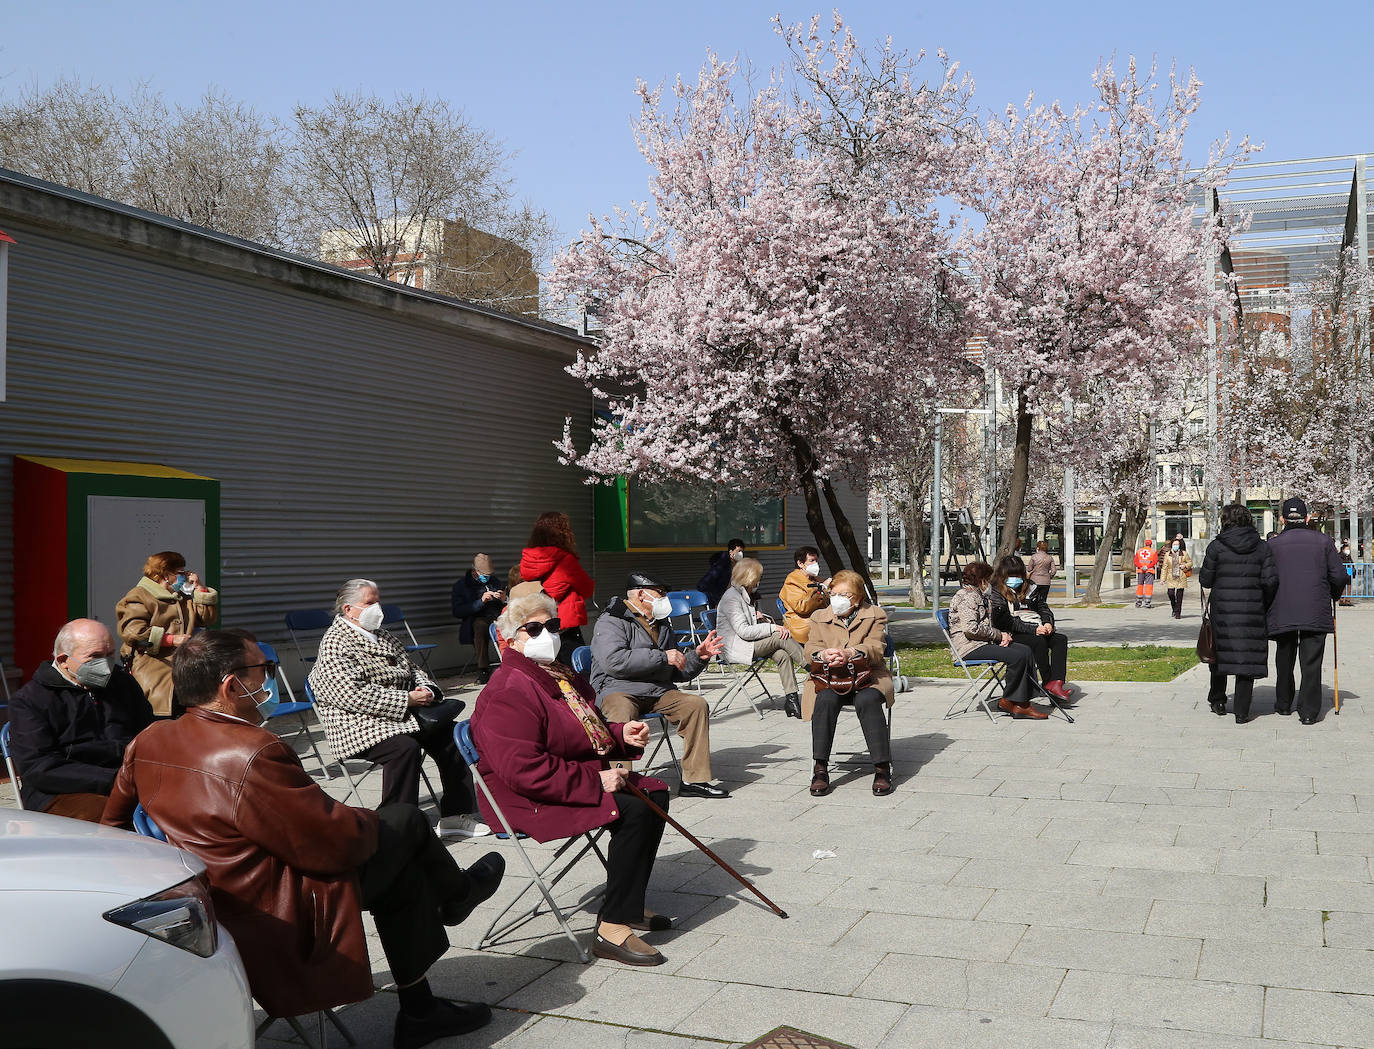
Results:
x,y
556,80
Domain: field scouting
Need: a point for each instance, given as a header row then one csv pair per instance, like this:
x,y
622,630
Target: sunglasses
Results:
x,y
269,669
535,629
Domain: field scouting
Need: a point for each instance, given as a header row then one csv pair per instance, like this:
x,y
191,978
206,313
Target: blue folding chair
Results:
x,y
289,706
308,621
691,602
736,681
9,763
582,663
393,618
146,825
467,746
980,685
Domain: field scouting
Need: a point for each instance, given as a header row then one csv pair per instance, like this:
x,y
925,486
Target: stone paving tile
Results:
x,y
899,897
1011,849
920,867
1343,843
1124,831
1111,952
806,925
1351,929
1155,857
1341,1019
1250,839
1302,968
1236,921
1267,864
659,1000
827,969
927,1027
1182,1004
956,983
742,1013
1032,877
1185,885
944,937
1068,910
552,1032
1129,1036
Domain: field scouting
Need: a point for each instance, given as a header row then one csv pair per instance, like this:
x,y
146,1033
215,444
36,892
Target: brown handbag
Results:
x,y
1206,637
843,680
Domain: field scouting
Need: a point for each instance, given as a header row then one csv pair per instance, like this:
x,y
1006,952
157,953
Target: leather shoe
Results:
x,y
791,705
1021,710
1306,721
1218,708
657,923
1244,720
1285,711
446,1020
701,790
484,877
633,951
820,782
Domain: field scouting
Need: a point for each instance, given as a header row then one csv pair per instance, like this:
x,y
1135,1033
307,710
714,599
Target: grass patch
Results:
x,y
1086,662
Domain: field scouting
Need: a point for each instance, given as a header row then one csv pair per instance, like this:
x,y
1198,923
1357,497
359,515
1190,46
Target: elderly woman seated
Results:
x,y
546,756
1019,608
974,637
850,628
749,636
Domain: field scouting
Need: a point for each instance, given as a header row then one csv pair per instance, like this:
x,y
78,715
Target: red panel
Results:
x,y
40,561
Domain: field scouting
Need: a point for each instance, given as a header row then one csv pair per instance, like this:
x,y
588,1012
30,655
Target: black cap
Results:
x,y
640,581
1294,511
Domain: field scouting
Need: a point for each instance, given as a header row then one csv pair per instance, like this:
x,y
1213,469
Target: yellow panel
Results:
x,y
101,466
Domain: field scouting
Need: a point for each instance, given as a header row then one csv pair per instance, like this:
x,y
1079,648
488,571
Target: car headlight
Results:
x,y
182,916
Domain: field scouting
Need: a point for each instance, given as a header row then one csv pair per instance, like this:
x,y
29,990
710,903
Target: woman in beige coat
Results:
x,y
156,616
1175,569
849,627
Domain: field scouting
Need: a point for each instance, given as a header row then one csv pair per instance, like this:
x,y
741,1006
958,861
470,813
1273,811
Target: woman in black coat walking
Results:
x,y
1239,570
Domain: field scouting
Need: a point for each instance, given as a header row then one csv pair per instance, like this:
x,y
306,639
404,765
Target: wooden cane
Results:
x,y
1336,658
690,837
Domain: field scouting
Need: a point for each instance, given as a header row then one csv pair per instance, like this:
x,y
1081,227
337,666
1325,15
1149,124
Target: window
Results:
x,y
1198,477
1178,522
700,516
1196,426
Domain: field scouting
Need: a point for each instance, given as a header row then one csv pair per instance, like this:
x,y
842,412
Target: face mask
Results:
x,y
483,578
181,585
738,555
544,648
1014,582
813,569
1175,548
95,673
267,706
370,618
662,608
840,605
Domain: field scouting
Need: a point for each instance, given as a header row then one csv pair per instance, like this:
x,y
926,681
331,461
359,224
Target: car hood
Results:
x,y
39,851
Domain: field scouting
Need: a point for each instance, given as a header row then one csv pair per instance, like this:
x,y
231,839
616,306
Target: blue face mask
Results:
x,y
483,578
180,582
267,705
1014,582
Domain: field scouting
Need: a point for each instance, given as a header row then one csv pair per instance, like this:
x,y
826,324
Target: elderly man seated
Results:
x,y
477,600
70,724
290,869
636,662
372,701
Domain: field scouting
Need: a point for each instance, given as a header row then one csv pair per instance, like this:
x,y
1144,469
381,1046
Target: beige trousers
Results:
x,y
685,710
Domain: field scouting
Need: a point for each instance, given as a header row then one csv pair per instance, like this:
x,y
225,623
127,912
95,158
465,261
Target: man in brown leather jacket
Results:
x,y
290,869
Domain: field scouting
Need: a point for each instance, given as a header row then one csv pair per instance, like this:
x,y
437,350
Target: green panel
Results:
x,y
611,517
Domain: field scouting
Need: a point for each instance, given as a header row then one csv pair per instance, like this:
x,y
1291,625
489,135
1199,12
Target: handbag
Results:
x,y
438,714
1206,637
843,680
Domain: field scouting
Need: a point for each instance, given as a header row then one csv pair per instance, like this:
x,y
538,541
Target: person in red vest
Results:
x,y
1146,560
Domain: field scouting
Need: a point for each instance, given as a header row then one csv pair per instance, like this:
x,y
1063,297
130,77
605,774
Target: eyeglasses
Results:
x,y
269,669
535,629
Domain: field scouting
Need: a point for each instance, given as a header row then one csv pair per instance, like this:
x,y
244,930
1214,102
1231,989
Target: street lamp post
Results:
x,y
937,519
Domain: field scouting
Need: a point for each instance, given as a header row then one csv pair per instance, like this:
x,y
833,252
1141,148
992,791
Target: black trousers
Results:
x,y
635,835
403,884
1016,659
871,707
1307,647
401,757
1176,600
1245,688
481,637
1051,654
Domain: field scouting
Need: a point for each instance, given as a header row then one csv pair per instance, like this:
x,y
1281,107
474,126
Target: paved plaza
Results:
x,y
1151,877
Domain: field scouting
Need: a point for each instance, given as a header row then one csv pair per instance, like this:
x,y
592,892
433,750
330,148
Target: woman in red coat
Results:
x,y
550,558
546,754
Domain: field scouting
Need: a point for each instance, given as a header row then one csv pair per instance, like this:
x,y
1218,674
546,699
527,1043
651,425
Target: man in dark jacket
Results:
x,y
70,724
1311,576
477,600
717,578
1239,571
637,666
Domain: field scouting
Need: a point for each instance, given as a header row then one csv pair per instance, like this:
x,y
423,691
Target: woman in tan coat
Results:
x,y
849,627
1175,568
803,592
156,616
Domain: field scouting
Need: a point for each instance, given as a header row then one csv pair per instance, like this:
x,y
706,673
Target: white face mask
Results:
x,y
1175,548
813,569
370,618
840,605
544,648
662,608
737,555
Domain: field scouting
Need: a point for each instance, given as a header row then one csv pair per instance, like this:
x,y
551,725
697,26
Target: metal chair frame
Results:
x,y
308,619
737,681
9,763
392,616
979,686
292,707
462,735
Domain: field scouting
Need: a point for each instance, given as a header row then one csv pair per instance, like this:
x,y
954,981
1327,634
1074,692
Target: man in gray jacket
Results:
x,y
637,664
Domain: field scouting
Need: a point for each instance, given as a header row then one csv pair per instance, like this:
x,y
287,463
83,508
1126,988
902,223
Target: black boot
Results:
x,y
791,705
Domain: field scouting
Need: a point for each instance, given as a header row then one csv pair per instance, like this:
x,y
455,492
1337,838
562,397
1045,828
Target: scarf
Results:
x,y
587,715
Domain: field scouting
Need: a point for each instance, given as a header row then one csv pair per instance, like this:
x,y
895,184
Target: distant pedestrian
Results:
x,y
1311,576
1040,569
1175,569
1349,563
717,578
1146,561
1239,570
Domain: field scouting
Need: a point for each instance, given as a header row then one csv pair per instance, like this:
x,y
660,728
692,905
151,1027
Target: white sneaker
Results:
x,y
470,826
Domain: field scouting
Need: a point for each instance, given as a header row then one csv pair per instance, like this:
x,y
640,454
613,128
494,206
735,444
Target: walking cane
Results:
x,y
688,835
1336,658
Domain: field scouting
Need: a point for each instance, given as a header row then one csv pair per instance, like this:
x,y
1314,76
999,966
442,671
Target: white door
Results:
x,y
122,531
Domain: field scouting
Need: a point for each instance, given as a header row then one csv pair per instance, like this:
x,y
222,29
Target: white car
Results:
x,y
110,939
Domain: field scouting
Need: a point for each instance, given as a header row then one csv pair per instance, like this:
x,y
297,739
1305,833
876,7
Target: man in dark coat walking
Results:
x,y
1239,570
1311,576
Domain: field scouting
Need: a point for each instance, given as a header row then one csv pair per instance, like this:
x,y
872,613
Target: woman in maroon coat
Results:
x,y
546,754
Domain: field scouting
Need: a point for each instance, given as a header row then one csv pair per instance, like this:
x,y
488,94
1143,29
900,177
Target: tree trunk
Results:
x,y
918,544
857,557
1104,555
1020,476
804,459
1135,520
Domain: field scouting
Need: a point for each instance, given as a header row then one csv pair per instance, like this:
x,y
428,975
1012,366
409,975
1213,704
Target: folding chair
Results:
x,y
9,764
582,663
289,706
693,601
979,686
312,621
393,617
342,763
462,735
737,681
495,651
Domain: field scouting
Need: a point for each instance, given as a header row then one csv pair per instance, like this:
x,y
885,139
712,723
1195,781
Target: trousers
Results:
x,y
1306,647
1245,689
1144,585
685,710
401,757
88,807
1176,600
786,654
871,707
403,884
635,835
1016,662
1051,654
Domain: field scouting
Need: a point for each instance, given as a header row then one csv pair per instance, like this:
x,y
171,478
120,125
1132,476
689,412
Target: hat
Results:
x,y
524,589
1294,511
640,581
